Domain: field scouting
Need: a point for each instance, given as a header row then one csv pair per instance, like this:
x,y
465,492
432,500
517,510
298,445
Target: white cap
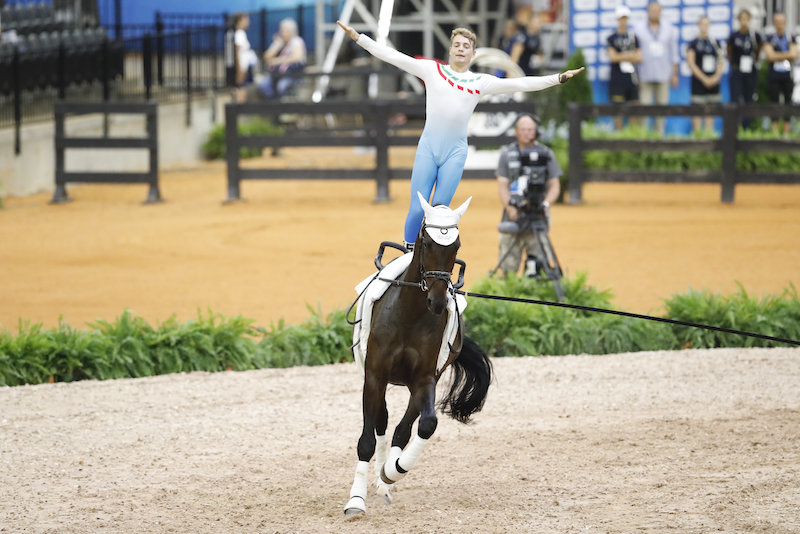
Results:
x,y
622,11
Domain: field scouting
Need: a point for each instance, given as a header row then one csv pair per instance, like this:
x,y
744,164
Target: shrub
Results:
x,y
214,147
130,347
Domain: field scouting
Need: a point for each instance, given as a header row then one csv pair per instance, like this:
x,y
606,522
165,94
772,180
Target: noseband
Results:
x,y
444,276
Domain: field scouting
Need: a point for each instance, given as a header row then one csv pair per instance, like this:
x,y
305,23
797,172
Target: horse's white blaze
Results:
x,y
358,491
441,222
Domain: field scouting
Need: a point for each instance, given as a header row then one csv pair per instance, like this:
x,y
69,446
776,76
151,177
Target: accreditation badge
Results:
x,y
746,64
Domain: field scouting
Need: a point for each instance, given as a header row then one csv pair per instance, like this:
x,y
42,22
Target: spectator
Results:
x,y
511,32
659,67
244,57
624,53
286,55
511,35
527,49
451,93
527,182
780,50
744,47
705,59
8,36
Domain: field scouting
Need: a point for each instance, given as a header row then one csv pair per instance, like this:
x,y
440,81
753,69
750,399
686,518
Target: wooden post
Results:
x,y
730,131
380,118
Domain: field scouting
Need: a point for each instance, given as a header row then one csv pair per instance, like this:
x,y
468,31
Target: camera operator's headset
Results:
x,y
534,118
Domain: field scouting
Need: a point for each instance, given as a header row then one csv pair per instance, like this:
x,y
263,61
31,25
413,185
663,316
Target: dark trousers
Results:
x,y
743,89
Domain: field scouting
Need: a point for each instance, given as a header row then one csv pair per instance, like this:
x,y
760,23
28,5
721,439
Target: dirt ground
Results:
x,y
692,441
292,244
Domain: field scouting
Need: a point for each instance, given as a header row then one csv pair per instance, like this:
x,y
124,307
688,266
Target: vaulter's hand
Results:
x,y
354,35
566,75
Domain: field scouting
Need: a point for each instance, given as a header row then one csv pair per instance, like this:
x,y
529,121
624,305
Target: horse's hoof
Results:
x,y
384,490
353,513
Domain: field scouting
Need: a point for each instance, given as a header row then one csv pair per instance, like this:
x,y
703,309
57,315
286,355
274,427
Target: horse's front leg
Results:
x,y
373,402
422,402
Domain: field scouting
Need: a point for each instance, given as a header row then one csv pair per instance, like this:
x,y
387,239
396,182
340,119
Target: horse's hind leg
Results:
x,y
381,450
401,461
372,402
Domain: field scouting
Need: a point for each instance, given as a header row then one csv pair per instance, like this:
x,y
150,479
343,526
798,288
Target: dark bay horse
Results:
x,y
408,325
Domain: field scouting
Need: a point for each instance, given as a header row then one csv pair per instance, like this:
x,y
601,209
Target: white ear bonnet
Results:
x,y
441,222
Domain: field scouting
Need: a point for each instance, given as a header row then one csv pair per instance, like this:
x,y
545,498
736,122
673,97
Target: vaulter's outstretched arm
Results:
x,y
385,53
528,83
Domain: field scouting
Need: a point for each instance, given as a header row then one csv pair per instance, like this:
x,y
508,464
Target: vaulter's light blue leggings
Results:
x,y
431,169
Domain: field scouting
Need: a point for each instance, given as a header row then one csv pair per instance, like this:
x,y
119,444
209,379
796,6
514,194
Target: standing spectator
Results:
x,y
624,53
244,56
286,55
511,35
511,32
744,47
528,182
705,59
660,59
780,50
527,50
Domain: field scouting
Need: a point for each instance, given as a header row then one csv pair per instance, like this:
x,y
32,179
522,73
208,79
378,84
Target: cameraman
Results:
x,y
527,180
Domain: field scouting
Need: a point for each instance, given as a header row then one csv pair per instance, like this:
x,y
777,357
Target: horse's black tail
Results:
x,y
471,376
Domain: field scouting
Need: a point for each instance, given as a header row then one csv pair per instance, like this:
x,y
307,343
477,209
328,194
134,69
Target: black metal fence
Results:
x,y
729,145
368,126
174,59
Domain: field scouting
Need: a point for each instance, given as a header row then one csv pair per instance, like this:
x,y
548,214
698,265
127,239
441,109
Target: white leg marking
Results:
x,y
357,504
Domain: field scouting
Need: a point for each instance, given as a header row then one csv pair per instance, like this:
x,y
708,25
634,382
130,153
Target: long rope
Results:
x,y
628,314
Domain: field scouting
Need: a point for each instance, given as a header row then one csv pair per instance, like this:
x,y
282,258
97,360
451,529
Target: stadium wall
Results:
x,y
33,171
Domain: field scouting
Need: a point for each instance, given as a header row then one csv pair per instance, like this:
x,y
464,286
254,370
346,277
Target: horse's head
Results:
x,y
436,249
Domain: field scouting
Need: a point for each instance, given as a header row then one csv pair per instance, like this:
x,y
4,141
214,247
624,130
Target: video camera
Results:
x,y
530,195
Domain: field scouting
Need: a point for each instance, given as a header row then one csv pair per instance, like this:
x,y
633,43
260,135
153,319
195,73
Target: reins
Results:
x,y
628,314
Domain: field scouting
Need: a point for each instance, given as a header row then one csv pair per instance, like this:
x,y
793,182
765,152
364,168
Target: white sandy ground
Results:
x,y
691,441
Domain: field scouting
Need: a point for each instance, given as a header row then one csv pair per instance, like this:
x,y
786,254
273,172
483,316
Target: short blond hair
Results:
x,y
464,32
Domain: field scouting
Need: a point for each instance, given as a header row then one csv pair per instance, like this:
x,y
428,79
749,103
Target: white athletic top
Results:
x,y
451,96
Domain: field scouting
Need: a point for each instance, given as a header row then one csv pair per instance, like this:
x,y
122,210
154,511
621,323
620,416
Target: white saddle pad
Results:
x,y
373,289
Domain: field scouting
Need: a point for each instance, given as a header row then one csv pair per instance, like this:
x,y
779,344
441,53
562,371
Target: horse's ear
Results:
x,y
463,208
426,208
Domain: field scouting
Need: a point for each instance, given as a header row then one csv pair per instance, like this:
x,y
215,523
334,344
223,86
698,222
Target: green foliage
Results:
x,y
578,89
317,341
773,315
130,347
512,329
681,161
214,147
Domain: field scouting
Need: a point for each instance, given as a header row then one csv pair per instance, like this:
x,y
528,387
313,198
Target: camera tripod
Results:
x,y
548,265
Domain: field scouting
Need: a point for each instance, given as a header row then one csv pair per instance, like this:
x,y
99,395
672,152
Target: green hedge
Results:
x,y
130,347
214,147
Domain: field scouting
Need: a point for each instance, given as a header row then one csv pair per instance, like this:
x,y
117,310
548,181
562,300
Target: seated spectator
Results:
x,y
8,36
780,50
705,60
624,53
286,55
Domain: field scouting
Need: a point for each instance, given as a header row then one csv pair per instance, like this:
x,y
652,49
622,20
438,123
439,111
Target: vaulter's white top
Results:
x,y
452,96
